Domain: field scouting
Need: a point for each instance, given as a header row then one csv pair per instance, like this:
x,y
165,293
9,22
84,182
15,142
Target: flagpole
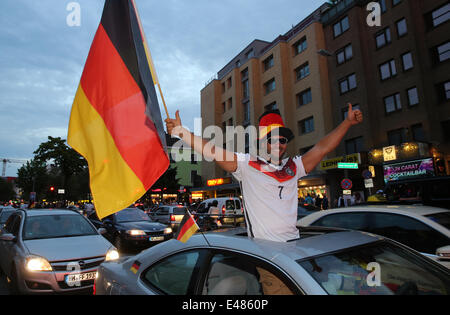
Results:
x,y
149,58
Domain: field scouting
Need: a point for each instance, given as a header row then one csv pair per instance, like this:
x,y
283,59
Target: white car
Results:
x,y
425,229
229,210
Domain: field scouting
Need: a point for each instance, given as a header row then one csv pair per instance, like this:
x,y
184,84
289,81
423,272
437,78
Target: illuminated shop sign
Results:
x,y
409,170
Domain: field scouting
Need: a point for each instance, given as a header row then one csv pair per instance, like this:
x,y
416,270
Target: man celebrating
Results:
x,y
269,182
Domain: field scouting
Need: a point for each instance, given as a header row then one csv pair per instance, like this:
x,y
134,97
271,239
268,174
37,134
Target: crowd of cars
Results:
x,y
134,252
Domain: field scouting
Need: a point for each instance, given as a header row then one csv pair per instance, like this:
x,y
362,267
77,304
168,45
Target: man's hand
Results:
x,y
354,117
172,124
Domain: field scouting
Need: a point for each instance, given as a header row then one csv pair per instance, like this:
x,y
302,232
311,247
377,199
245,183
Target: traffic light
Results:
x,y
52,188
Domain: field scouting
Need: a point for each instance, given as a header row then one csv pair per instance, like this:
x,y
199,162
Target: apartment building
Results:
x,y
286,74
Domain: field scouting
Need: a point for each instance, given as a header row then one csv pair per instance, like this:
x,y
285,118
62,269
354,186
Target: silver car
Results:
x,y
44,251
229,263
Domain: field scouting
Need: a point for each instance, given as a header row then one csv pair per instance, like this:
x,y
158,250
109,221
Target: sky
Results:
x,y
42,57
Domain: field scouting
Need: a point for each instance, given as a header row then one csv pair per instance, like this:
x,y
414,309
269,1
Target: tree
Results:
x,y
6,190
67,160
32,176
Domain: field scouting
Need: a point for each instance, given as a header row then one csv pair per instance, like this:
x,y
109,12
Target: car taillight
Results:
x,y
223,209
94,289
172,217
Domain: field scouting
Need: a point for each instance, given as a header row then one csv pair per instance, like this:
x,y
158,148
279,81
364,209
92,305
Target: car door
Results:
x,y
7,248
162,215
231,273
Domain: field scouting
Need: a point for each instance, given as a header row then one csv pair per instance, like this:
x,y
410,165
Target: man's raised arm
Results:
x,y
331,141
226,160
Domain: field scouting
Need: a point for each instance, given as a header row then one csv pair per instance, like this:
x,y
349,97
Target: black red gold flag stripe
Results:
x,y
135,267
187,228
116,121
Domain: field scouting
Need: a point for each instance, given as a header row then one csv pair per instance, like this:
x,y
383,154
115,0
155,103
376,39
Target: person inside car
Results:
x,y
269,181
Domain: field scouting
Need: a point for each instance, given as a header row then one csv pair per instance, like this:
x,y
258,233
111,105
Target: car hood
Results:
x,y
146,226
68,248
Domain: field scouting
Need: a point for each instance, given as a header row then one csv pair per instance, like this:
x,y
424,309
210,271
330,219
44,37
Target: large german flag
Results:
x,y
187,228
115,121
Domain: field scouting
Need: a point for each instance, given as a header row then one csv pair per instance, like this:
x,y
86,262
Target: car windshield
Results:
x,y
4,215
131,215
380,268
179,210
56,226
442,218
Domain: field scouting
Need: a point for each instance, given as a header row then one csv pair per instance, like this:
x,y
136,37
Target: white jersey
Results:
x,y
270,196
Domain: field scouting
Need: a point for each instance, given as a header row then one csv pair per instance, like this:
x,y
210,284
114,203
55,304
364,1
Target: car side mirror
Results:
x,y
7,237
102,231
443,253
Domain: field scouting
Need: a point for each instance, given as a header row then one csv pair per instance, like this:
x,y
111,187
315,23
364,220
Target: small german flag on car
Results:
x,y
188,227
135,267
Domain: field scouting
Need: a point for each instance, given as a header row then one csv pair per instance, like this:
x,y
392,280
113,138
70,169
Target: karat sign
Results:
x,y
333,163
407,170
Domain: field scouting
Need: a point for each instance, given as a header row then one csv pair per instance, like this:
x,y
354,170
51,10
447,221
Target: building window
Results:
x,y
354,145
304,97
402,28
383,38
193,177
302,71
300,46
446,130
392,103
244,74
193,159
268,63
229,83
230,103
408,62
382,5
269,86
245,89
306,126
395,2
250,54
348,84
246,112
413,96
443,52
303,151
418,133
345,110
388,70
345,54
271,106
223,87
397,137
230,122
440,15
341,27
224,107
443,91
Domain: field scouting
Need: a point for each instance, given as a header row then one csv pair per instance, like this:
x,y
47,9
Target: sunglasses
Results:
x,y
277,140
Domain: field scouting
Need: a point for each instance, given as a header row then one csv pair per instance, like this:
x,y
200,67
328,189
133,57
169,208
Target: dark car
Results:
x,y
131,228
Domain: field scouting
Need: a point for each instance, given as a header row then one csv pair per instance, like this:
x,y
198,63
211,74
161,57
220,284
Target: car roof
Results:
x,y
40,212
419,210
305,247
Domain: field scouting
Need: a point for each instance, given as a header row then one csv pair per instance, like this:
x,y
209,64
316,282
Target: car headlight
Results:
x,y
35,263
167,230
112,254
135,232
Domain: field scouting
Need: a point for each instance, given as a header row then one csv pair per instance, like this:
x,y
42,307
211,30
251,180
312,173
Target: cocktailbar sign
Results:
x,y
408,170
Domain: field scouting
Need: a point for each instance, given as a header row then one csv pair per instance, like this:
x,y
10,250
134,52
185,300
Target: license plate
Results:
x,y
156,238
75,278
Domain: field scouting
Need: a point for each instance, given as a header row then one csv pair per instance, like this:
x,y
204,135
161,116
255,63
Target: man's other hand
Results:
x,y
354,116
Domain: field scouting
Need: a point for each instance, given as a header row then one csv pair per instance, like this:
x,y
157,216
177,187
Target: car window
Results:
x,y
131,215
442,218
173,275
238,204
56,226
229,204
179,210
162,211
380,268
12,225
408,231
201,208
234,274
348,220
